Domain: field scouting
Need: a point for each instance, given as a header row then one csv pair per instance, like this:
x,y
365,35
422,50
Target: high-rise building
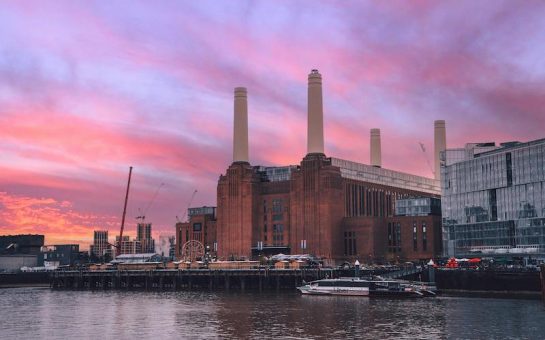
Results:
x,y
493,200
100,244
128,246
143,235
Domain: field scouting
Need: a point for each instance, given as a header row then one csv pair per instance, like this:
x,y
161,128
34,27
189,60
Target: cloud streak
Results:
x,y
87,89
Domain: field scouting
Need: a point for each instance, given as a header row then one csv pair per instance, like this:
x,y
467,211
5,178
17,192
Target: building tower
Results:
x,y
100,243
237,190
143,235
316,192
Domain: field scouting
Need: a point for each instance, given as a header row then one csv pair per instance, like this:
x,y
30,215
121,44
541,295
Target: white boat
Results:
x,y
368,287
345,286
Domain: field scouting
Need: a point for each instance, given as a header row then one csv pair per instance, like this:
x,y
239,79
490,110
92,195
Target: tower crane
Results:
x,y
423,148
182,219
118,246
142,213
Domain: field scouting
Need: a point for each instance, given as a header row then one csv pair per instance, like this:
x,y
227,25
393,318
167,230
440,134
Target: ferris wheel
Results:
x,y
192,250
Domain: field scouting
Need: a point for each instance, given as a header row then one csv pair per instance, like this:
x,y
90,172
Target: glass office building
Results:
x,y
493,202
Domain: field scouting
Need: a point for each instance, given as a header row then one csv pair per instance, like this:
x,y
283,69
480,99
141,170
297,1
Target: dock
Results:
x,y
188,279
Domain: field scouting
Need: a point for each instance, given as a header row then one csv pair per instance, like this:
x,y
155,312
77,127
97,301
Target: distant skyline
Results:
x,y
89,88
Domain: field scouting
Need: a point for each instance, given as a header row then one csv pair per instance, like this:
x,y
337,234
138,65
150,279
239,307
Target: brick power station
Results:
x,y
332,208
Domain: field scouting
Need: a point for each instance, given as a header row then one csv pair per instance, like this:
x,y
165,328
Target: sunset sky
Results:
x,y
89,88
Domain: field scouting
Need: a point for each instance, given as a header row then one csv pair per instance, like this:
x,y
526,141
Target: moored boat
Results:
x,y
366,287
349,286
393,288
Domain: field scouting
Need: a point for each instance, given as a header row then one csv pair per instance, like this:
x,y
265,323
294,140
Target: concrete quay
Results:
x,y
174,280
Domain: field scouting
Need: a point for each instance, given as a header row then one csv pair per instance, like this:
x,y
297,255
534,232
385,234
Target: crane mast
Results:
x,y
118,249
188,205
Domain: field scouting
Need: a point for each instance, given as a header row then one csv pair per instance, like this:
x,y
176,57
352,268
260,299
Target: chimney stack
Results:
x,y
440,145
240,128
376,157
315,127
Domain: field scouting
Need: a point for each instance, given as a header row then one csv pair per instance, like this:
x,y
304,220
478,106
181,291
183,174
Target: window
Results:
x,y
424,237
394,237
509,169
277,217
197,227
350,243
415,237
398,236
390,238
277,205
278,236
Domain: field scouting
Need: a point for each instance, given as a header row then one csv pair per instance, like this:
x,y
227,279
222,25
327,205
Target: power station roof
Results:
x,y
372,174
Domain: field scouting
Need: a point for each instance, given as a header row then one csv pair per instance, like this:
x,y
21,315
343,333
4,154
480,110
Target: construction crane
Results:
x,y
142,213
423,148
188,205
118,247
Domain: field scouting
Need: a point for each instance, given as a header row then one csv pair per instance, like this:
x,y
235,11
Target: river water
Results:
x,y
39,313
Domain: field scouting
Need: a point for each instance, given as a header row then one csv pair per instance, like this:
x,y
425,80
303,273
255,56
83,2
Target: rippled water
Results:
x,y
31,313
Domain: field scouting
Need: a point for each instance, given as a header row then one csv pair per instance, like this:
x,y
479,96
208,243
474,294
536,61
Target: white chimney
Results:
x,y
440,145
376,157
315,127
240,128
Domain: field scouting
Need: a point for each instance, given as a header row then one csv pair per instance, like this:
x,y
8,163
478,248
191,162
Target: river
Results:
x,y
40,313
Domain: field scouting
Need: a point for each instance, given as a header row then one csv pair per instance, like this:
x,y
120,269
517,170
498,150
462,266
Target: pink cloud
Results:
x,y
87,90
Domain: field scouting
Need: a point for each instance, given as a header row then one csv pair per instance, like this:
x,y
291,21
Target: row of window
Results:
x,y
363,201
424,237
394,237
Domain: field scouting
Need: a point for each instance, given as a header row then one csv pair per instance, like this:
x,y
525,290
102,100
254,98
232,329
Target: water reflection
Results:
x,y
41,313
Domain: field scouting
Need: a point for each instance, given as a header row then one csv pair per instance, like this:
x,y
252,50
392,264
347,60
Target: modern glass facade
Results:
x,y
276,173
494,202
420,206
470,150
201,211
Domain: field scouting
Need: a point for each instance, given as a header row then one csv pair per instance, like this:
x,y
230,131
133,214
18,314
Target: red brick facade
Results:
x,y
317,208
316,211
200,227
420,237
237,212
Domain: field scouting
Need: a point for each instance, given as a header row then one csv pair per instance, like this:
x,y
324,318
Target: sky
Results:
x,y
89,88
